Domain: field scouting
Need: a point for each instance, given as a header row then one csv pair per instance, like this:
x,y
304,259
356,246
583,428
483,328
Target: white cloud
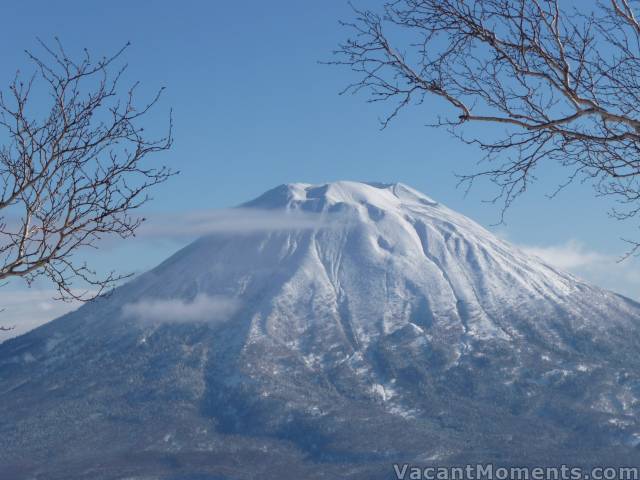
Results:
x,y
600,269
202,308
568,256
27,309
232,220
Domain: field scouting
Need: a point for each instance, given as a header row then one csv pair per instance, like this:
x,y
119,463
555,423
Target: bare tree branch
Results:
x,y
74,175
563,85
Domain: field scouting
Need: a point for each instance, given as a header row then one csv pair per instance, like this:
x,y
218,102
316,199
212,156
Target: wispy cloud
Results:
x,y
232,220
203,308
568,256
604,270
27,309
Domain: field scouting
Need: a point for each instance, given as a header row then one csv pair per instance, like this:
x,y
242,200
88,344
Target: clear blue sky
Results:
x,y
254,109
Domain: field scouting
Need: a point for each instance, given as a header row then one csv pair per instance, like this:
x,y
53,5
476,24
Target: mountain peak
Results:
x,y
316,197
401,327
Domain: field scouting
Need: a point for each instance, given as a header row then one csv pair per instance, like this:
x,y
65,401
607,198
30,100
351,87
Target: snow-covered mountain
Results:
x,y
377,326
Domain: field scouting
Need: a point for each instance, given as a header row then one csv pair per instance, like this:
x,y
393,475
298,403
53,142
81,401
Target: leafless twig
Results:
x,y
75,174
562,85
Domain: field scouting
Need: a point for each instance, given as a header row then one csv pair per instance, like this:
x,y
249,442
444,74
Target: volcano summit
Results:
x,y
383,328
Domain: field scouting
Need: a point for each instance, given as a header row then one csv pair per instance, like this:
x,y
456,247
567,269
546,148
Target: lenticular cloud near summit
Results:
x,y
231,220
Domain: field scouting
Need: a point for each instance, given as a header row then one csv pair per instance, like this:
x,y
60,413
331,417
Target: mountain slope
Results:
x,y
385,327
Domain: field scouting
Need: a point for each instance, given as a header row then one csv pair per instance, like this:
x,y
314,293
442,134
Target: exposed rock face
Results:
x,y
387,329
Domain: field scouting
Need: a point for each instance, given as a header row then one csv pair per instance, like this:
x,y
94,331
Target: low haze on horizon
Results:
x,y
256,109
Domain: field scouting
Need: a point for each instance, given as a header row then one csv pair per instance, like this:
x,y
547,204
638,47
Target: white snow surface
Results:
x,y
383,257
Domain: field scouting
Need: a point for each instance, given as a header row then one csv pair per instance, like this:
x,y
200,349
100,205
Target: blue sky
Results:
x,y
253,109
